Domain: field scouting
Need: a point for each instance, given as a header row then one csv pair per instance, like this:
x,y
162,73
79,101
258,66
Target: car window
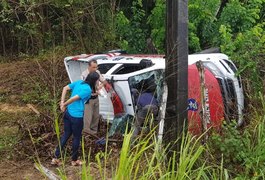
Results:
x,y
225,66
104,68
231,65
128,68
151,80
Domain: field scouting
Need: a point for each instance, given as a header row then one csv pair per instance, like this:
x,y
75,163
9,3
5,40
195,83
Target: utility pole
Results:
x,y
176,72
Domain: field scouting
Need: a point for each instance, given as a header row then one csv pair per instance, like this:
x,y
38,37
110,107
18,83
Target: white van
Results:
x,y
118,68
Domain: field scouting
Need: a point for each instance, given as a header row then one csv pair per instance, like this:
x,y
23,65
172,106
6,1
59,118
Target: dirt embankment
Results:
x,y
14,76
37,83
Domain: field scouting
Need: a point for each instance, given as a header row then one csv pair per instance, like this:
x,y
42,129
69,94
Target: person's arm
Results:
x,y
99,87
102,80
69,101
65,89
102,84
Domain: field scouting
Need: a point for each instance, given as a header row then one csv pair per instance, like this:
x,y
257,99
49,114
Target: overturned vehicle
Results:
x,y
133,73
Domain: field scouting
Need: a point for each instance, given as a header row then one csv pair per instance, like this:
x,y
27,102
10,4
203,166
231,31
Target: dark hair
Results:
x,y
92,61
91,79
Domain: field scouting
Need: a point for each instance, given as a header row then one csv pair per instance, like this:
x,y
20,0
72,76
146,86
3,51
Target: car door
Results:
x,y
126,77
121,86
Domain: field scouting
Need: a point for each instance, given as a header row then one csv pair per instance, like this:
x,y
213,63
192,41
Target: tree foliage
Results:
x,y
132,32
30,26
33,26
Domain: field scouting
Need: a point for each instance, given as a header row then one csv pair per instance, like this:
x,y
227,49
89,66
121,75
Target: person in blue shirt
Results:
x,y
146,104
73,110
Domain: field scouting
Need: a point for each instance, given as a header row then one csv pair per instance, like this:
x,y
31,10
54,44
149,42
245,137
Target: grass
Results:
x,y
9,131
147,159
7,141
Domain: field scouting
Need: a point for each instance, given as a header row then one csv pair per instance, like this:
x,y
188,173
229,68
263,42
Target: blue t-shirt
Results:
x,y
83,90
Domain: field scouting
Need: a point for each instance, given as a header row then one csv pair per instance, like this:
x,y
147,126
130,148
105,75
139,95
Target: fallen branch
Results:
x,y
30,106
48,173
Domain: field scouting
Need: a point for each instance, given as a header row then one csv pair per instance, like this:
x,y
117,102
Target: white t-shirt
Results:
x,y
86,72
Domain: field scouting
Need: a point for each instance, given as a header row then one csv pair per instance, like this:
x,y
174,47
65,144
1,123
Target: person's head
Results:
x,y
92,79
92,65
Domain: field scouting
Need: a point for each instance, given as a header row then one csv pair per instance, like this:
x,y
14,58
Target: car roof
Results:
x,y
157,60
113,56
132,59
88,57
213,56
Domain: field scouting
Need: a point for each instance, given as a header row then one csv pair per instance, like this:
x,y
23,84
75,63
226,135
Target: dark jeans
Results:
x,y
73,126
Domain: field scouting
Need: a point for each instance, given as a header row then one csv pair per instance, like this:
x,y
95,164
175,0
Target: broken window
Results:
x,y
152,80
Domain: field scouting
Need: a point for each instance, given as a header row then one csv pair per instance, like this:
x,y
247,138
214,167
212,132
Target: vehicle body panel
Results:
x,y
214,102
122,83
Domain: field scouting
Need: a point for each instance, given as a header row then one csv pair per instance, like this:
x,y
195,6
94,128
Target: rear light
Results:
x,y
117,104
115,99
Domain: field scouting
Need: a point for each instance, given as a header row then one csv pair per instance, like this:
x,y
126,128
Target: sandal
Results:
x,y
77,163
56,162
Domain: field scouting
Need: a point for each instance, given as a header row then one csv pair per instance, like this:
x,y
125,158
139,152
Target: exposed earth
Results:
x,y
18,84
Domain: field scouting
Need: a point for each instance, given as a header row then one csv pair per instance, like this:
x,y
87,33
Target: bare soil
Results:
x,y
17,152
10,170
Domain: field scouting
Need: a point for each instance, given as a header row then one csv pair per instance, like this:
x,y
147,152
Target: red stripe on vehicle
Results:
x,y
79,57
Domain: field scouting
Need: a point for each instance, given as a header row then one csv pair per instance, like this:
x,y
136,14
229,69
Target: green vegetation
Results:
x,y
37,35
33,27
148,151
236,154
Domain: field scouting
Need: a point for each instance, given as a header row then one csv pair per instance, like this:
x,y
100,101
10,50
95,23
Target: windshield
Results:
x,y
152,80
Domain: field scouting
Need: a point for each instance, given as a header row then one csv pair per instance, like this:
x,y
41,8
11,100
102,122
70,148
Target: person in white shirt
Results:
x,y
91,114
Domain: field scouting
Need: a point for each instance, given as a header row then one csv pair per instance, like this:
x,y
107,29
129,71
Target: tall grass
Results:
x,y
147,160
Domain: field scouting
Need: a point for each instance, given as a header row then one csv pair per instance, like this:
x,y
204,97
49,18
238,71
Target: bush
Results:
x,y
247,50
242,150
